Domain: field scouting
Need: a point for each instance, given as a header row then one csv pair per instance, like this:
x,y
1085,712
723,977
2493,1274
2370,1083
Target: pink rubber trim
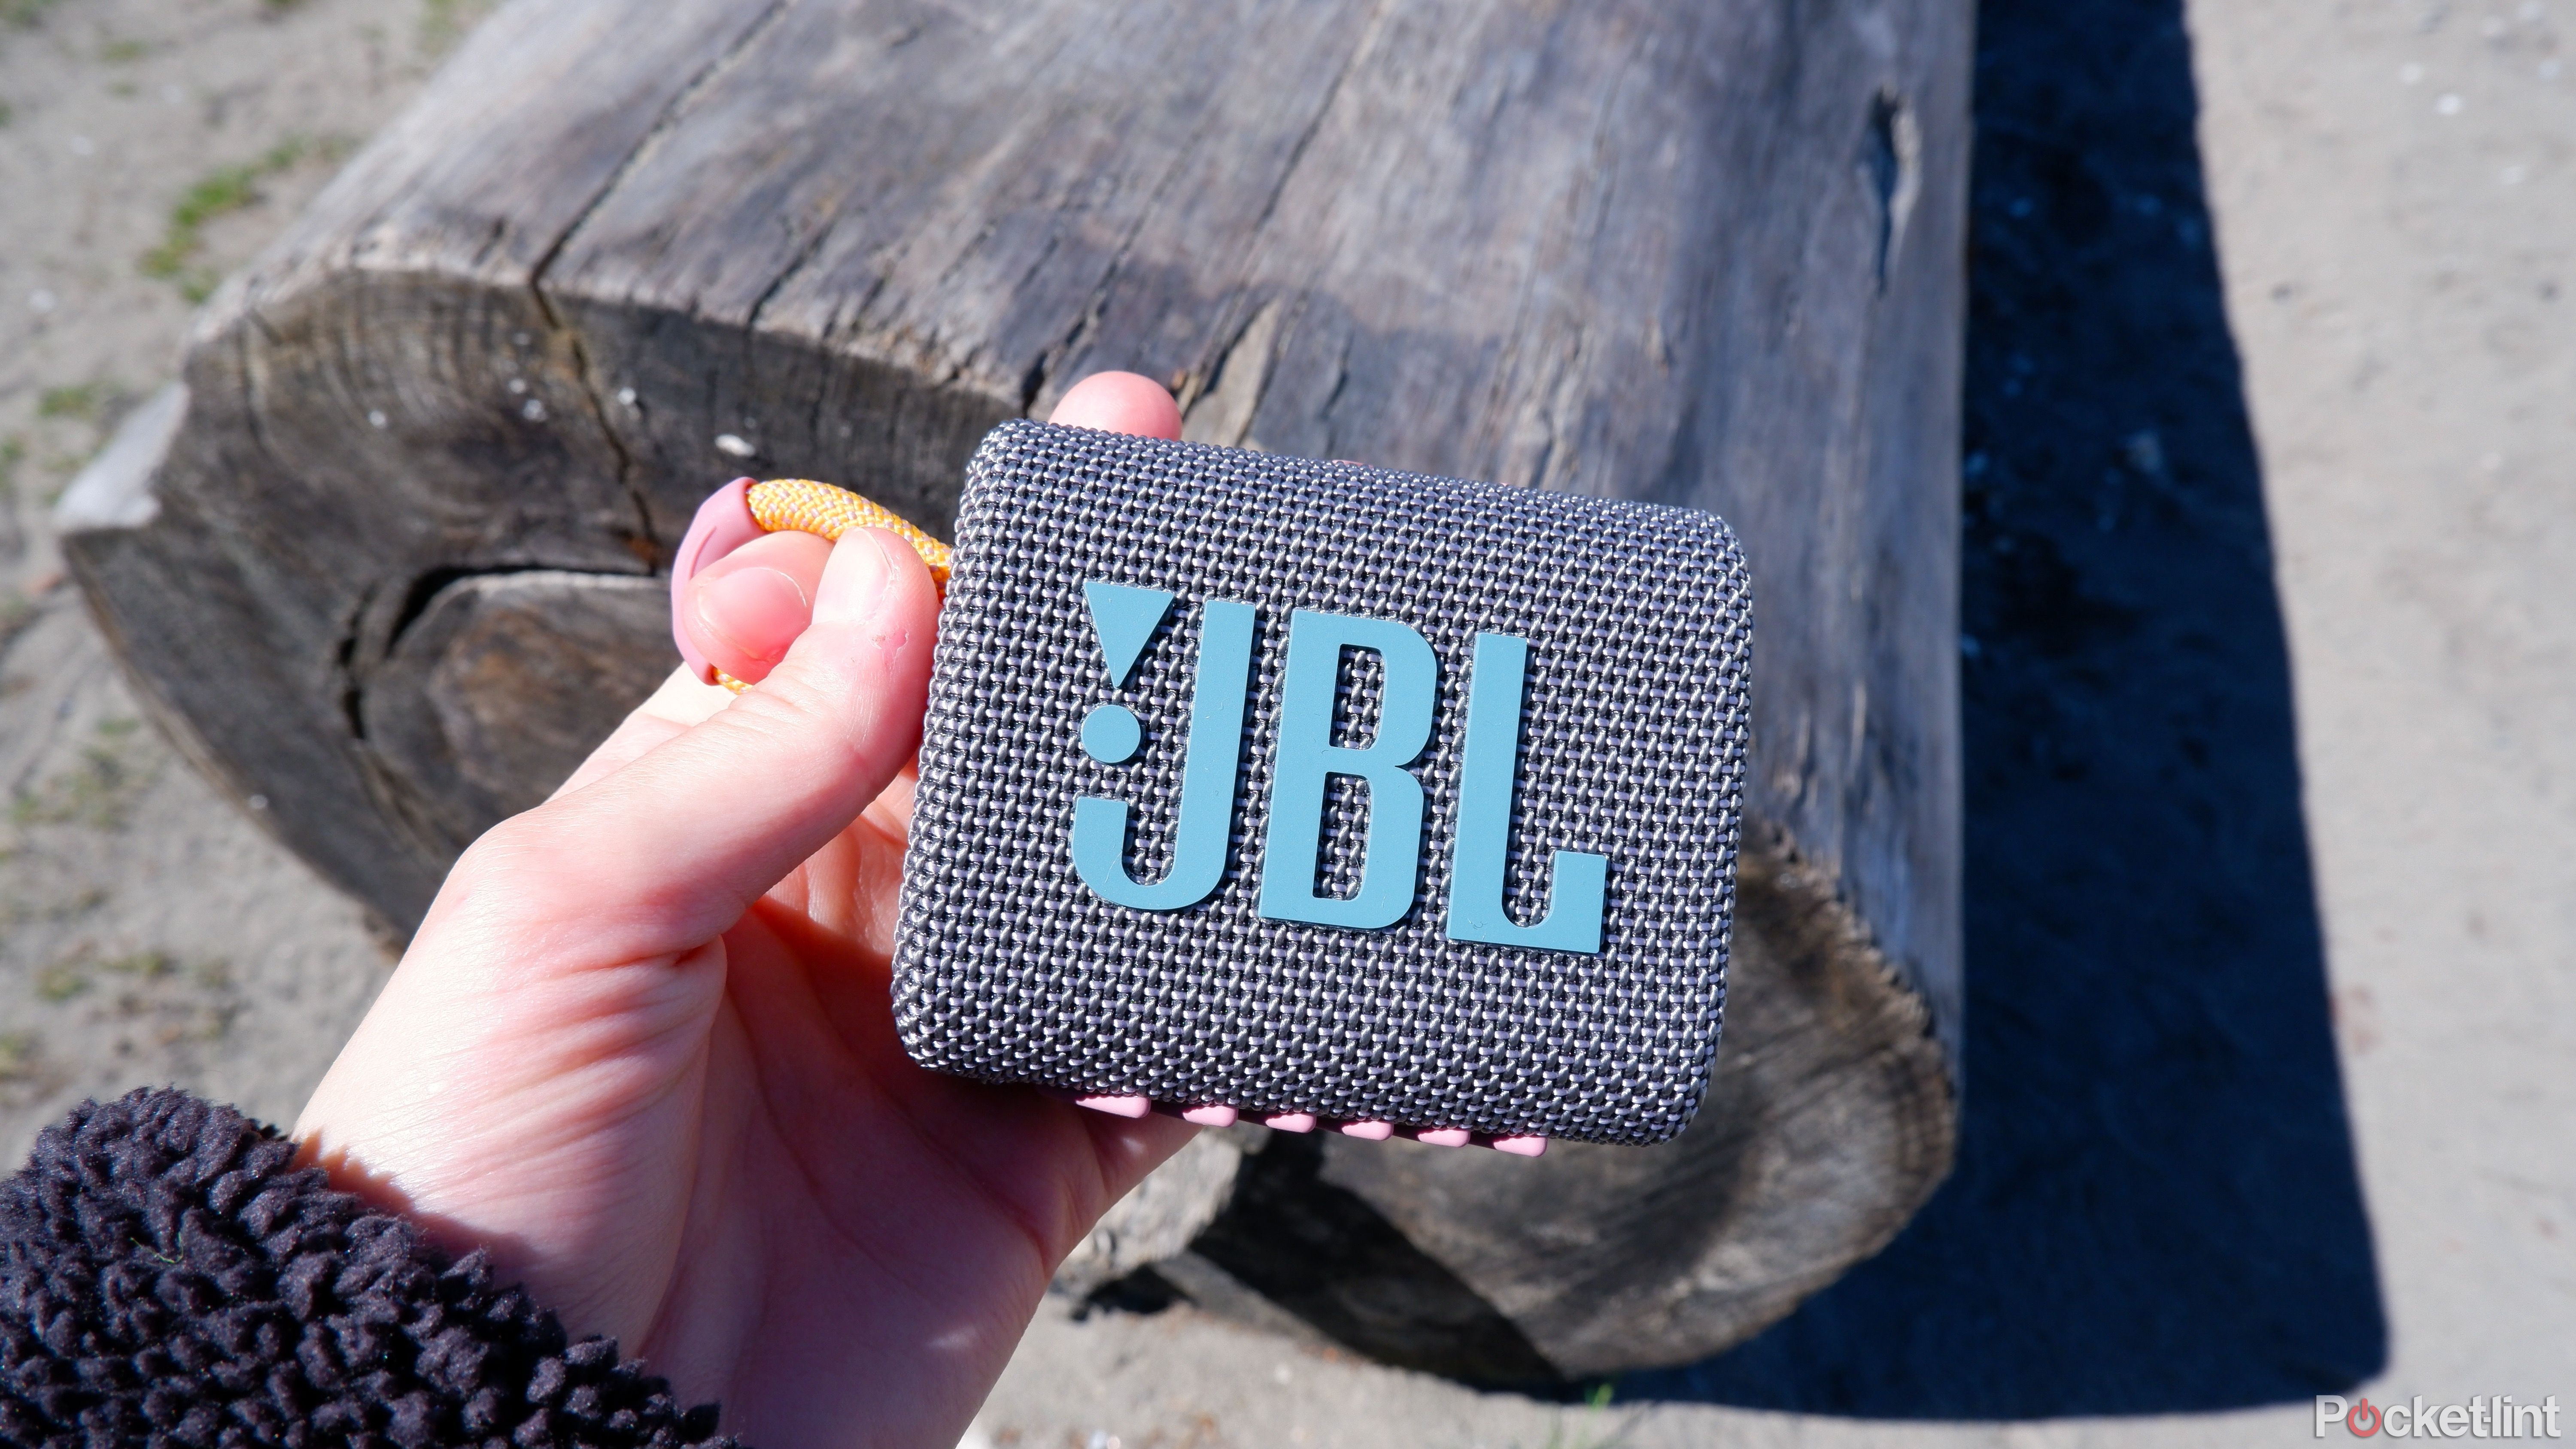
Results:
x,y
1217,1116
724,523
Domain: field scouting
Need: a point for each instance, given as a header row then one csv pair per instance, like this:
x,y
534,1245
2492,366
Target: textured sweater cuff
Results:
x,y
167,1279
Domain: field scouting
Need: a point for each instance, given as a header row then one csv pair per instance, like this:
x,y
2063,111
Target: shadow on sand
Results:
x,y
2155,1207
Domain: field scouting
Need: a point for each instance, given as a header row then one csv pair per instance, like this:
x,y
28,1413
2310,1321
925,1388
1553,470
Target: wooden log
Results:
x,y
1596,1259
398,563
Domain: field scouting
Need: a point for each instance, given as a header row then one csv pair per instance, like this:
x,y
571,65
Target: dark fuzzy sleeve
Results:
x,y
167,1280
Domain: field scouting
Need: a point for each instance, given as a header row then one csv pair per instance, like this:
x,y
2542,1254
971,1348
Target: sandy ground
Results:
x,y
2397,214
149,932
2393,189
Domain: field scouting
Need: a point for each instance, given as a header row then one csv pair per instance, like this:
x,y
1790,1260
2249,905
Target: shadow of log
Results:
x,y
2155,1208
1323,1254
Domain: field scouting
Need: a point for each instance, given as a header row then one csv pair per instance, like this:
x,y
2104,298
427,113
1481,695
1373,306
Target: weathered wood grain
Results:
x,y
439,440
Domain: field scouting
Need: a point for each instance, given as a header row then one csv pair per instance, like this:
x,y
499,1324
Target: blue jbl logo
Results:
x,y
1124,619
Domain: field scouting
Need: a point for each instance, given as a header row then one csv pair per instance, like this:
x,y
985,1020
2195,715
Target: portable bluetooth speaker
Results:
x,y
1323,793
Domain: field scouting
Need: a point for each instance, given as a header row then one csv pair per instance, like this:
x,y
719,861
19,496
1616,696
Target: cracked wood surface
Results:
x,y
403,557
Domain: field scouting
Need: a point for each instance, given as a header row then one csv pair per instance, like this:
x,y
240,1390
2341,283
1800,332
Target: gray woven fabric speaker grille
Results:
x,y
1009,968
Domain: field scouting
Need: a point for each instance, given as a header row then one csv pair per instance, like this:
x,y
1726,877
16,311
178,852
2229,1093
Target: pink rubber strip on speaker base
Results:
x,y
1369,1131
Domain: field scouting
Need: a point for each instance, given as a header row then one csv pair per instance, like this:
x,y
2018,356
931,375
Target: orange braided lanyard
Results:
x,y
805,506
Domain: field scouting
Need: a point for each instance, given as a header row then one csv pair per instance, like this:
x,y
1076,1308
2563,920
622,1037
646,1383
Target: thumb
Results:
x,y
665,853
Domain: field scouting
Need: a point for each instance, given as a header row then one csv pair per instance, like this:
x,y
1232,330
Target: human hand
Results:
x,y
642,1046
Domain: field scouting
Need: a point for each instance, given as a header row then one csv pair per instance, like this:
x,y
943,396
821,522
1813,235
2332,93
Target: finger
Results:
x,y
1120,402
666,853
746,608
744,627
1128,1149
